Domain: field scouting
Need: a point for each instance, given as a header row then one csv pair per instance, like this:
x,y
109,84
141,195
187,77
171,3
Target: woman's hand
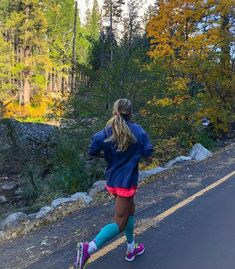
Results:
x,y
98,156
149,159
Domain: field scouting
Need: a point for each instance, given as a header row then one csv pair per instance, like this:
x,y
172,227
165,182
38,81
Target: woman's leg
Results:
x,y
129,229
123,207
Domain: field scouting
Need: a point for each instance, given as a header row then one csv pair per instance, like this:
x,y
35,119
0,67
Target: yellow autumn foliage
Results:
x,y
34,112
160,102
193,39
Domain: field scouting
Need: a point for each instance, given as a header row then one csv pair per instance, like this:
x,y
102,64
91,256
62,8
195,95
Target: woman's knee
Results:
x,y
121,221
124,207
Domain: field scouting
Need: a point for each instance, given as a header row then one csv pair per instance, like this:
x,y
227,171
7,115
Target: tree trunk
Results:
x,y
26,90
26,78
225,48
111,31
26,71
73,80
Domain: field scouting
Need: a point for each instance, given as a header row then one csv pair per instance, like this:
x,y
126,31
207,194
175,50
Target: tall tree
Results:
x,y
38,38
93,21
26,25
112,13
147,16
132,23
74,47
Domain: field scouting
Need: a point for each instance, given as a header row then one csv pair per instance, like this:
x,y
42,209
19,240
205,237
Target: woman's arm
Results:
x,y
147,148
96,146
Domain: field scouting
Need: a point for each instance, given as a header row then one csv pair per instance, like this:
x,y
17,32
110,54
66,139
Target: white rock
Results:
x,y
13,220
43,212
198,152
177,160
150,172
81,196
59,201
19,192
32,216
97,187
2,234
3,199
9,186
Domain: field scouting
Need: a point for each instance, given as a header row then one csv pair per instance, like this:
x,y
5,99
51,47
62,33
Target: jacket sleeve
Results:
x,y
147,146
96,145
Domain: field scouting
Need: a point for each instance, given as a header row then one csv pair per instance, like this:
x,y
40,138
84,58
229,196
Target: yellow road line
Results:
x,y
155,220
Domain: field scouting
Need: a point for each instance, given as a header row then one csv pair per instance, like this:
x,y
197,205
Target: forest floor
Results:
x,y
52,246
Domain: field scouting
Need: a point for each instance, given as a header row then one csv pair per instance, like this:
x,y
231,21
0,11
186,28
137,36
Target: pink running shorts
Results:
x,y
123,192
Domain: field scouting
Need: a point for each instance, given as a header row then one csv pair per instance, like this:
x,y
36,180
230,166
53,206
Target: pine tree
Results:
x,y
36,50
132,24
93,21
112,13
25,28
60,17
148,15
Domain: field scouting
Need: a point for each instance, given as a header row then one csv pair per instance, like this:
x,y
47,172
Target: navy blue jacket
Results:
x,y
122,170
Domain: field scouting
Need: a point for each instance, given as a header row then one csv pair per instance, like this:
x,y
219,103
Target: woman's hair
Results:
x,y
121,133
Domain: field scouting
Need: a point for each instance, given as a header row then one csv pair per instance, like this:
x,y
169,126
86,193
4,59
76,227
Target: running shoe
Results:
x,y
138,250
82,256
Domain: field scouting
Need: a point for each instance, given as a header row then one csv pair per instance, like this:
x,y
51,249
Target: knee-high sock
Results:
x,y
129,230
106,233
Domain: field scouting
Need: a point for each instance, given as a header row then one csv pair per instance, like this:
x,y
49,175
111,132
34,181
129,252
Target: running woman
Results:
x,y
122,143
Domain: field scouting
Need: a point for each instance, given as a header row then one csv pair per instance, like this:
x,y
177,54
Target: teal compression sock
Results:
x,y
129,230
106,234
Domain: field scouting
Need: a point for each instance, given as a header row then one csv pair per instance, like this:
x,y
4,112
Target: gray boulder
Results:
x,y
43,212
32,216
13,220
83,196
25,136
9,186
199,153
2,234
150,172
178,160
3,199
59,201
97,187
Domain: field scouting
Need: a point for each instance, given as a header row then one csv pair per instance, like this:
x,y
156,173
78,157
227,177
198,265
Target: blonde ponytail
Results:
x,y
121,133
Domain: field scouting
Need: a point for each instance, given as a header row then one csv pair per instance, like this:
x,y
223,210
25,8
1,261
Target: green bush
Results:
x,y
32,184
63,172
71,171
205,138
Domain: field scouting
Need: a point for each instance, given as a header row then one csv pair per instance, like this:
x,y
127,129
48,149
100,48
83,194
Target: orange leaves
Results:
x,y
176,31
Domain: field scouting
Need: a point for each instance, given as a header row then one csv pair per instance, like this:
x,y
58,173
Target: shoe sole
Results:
x,y
132,259
80,258
77,265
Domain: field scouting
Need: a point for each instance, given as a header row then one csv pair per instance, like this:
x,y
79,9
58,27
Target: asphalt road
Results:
x,y
198,236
